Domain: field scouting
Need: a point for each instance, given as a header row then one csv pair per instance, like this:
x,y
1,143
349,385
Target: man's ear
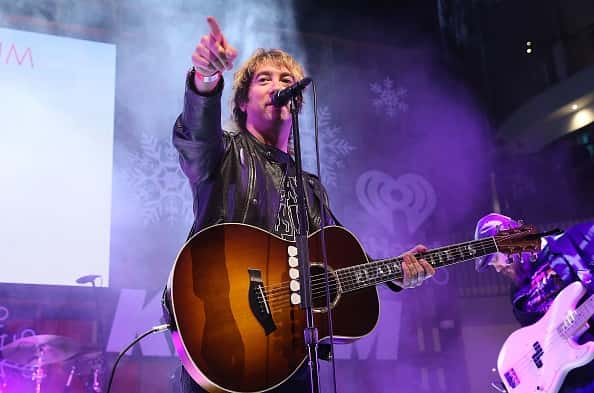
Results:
x,y
243,106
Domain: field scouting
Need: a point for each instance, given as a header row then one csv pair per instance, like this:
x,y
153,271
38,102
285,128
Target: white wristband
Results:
x,y
208,79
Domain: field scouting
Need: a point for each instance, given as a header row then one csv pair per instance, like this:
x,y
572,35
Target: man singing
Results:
x,y
249,176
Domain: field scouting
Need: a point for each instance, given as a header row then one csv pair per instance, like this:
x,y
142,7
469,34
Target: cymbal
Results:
x,y
88,353
39,350
86,362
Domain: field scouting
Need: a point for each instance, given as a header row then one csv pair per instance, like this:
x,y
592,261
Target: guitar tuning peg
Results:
x,y
533,257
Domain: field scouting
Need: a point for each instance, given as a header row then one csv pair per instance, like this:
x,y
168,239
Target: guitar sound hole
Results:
x,y
318,288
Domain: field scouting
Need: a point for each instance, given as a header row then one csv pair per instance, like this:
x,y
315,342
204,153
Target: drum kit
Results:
x,y
33,356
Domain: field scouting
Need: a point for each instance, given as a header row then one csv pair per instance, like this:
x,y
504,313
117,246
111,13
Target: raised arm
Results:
x,y
197,134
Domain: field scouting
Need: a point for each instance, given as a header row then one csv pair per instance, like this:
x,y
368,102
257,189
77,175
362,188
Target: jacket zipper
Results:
x,y
251,185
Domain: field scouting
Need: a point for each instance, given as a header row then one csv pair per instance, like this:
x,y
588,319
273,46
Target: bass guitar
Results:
x,y
537,358
234,298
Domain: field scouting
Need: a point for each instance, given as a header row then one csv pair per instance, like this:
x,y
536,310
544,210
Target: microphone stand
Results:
x,y
95,382
97,386
310,332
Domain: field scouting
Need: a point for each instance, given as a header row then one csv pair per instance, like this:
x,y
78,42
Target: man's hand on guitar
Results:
x,y
415,270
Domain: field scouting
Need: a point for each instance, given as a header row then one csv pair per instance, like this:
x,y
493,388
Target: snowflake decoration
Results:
x,y
333,147
160,183
388,99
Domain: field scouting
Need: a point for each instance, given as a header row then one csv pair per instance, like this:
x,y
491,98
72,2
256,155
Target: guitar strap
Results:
x,y
322,197
583,240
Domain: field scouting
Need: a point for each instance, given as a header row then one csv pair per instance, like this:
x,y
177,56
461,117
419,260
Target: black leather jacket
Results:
x,y
233,176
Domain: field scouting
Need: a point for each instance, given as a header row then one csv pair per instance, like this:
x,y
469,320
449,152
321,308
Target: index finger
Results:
x,y
214,28
419,248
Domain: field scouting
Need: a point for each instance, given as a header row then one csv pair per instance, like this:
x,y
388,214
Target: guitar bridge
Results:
x,y
258,300
512,378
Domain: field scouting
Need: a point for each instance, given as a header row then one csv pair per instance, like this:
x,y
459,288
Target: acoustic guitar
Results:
x,y
235,301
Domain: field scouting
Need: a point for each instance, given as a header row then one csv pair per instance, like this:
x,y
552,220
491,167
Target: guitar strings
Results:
x,y
280,302
278,294
456,249
273,293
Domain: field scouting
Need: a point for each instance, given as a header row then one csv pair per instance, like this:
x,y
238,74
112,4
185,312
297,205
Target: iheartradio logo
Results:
x,y
381,195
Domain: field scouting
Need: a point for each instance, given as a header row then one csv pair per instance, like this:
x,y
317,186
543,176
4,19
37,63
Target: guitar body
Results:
x,y
218,275
234,298
537,358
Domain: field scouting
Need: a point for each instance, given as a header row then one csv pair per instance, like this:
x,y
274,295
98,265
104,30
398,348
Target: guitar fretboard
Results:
x,y
383,270
581,316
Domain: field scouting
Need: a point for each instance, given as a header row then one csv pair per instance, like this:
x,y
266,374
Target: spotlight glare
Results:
x,y
581,119
528,43
529,50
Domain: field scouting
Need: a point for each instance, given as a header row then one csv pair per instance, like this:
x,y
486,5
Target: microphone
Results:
x,y
280,98
87,279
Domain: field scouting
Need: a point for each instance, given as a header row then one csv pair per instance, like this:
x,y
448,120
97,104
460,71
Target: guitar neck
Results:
x,y
581,316
382,270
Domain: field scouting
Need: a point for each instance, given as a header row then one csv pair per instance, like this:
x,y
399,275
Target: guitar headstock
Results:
x,y
524,238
